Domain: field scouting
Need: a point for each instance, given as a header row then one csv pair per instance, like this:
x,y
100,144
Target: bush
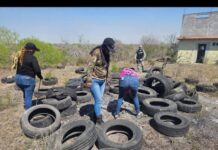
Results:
x,y
49,55
4,56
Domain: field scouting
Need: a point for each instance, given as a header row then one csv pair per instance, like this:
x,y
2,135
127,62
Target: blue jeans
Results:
x,y
128,82
27,85
97,90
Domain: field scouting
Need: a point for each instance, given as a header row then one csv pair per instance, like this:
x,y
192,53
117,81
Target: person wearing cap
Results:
x,y
98,70
140,56
27,68
129,81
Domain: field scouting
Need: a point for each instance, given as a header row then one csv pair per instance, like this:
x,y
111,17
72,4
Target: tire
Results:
x,y
76,83
156,70
115,81
205,88
163,86
191,81
108,149
69,111
144,93
85,132
179,87
42,122
177,96
83,96
178,127
41,92
134,133
34,132
114,88
215,84
50,81
59,104
8,79
189,105
193,94
154,105
80,70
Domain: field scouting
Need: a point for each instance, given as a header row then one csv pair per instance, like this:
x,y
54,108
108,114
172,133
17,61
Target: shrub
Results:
x,y
49,55
4,56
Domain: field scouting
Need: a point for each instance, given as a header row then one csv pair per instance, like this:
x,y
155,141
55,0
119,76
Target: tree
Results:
x,y
7,37
172,43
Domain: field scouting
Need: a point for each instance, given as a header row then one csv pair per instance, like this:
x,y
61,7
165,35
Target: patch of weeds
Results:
x,y
6,101
48,74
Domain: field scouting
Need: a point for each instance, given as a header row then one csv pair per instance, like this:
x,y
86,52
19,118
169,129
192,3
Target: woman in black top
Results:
x,y
27,69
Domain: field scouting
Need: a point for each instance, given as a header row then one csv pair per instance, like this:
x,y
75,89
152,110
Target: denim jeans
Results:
x,y
97,90
127,82
27,85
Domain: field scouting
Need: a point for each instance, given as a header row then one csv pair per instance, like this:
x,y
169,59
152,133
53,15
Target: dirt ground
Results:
x,y
203,132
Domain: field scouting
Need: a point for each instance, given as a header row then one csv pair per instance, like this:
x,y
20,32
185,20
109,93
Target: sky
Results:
x,y
93,24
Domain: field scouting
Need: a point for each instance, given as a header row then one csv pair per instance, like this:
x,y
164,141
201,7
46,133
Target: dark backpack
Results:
x,y
140,54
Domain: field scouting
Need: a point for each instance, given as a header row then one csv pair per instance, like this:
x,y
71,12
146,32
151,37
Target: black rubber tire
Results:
x,y
8,79
179,87
163,87
193,94
114,88
50,81
215,84
80,70
83,96
191,81
70,110
134,134
189,105
59,104
42,122
86,138
177,96
178,127
154,70
108,149
154,105
115,76
75,83
41,92
114,81
34,132
205,88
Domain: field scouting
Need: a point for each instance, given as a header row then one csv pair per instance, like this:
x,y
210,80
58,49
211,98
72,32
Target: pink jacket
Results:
x,y
128,71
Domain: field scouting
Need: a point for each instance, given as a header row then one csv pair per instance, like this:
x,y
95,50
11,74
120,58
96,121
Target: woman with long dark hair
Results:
x,y
27,69
98,70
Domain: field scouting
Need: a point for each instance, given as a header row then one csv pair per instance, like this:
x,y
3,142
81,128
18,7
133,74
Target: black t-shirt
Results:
x,y
140,54
30,66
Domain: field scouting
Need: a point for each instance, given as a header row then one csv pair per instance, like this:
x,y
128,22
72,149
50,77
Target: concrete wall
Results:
x,y
200,24
187,51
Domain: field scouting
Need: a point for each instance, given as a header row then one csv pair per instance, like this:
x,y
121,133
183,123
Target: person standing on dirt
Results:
x,y
129,80
27,69
140,57
98,71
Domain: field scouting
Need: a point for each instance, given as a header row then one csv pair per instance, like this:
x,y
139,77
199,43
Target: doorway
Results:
x,y
201,53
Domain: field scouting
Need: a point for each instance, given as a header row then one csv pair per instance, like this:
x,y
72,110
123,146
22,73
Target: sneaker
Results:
x,y
116,116
139,115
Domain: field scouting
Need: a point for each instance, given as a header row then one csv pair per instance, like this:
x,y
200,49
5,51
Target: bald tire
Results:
x,y
70,110
189,105
114,88
171,124
83,96
120,126
59,104
154,105
85,132
35,132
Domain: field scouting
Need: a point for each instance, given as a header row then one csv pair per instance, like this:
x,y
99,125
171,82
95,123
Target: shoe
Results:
x,y
99,120
139,115
116,116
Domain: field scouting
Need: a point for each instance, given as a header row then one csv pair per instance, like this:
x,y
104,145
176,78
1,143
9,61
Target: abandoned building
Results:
x,y
198,41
